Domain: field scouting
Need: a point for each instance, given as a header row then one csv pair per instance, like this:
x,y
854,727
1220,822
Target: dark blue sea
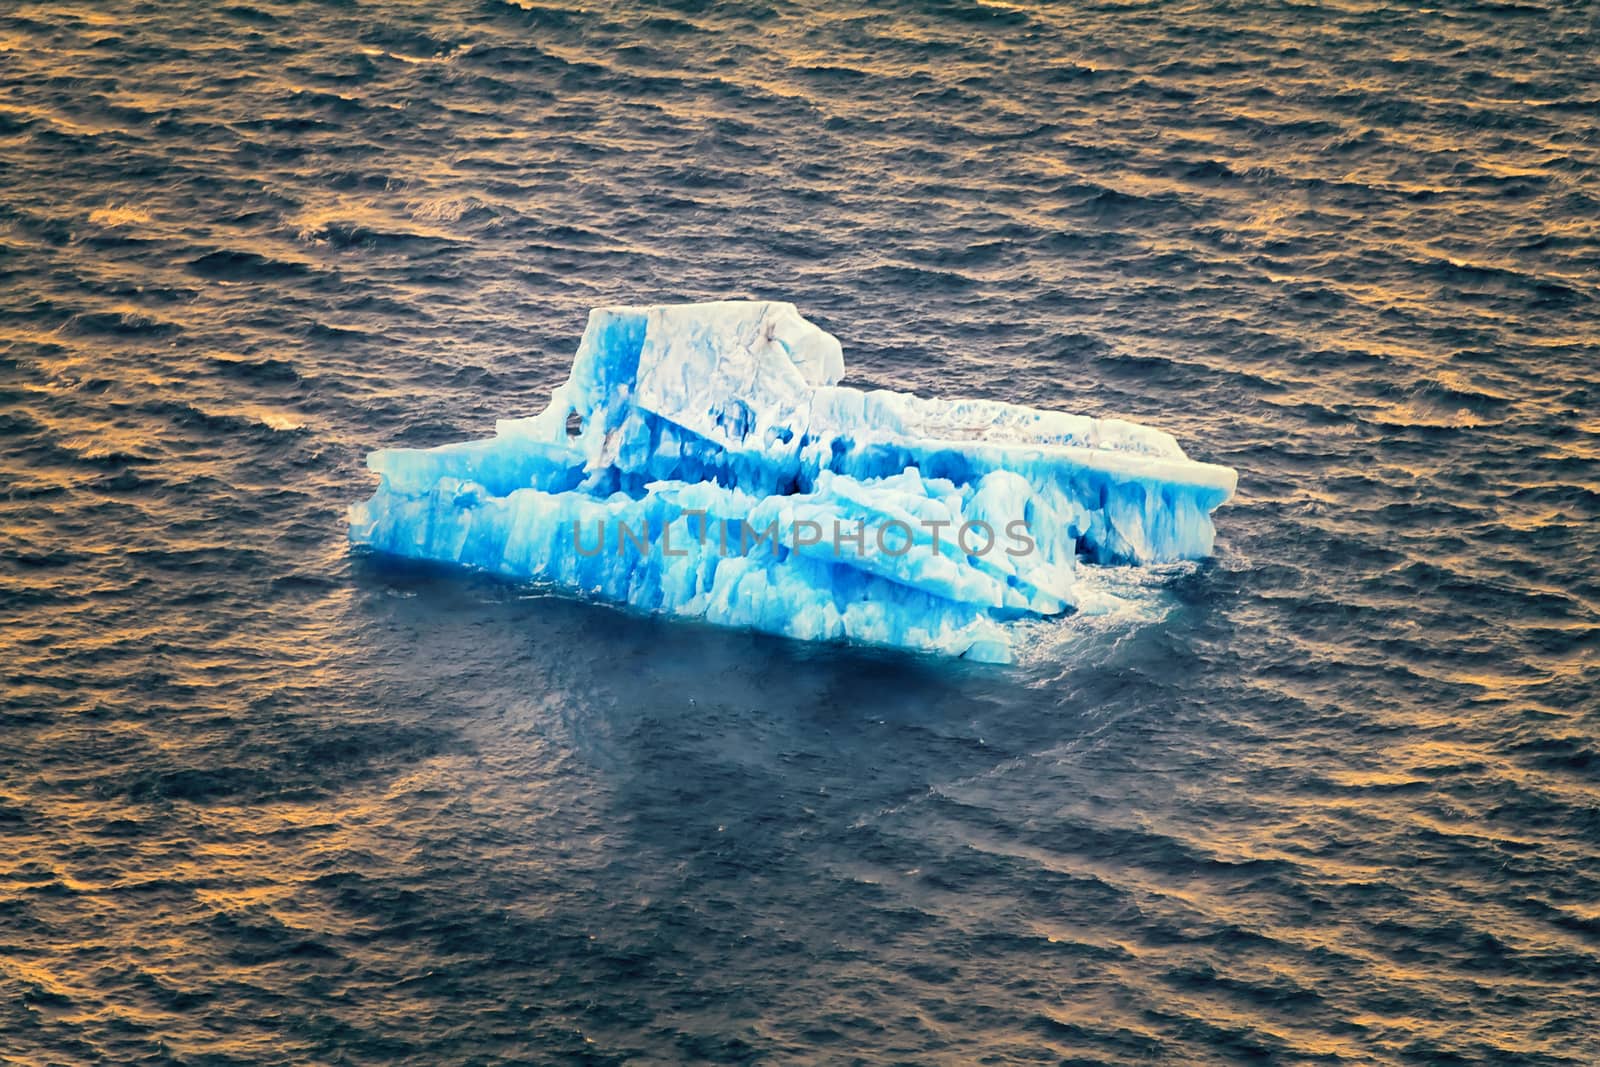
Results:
x,y
1334,798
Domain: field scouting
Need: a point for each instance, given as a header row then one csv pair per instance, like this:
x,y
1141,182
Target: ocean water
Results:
x,y
1331,797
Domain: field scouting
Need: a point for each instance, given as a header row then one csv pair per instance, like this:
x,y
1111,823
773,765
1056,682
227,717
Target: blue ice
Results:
x,y
702,461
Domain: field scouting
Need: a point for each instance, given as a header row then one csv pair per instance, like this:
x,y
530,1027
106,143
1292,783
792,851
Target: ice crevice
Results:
x,y
701,460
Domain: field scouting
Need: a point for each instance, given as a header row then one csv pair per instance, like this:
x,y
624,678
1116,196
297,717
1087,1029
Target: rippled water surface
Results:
x,y
1335,798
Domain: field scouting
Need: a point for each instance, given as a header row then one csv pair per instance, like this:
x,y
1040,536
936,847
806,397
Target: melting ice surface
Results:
x,y
701,461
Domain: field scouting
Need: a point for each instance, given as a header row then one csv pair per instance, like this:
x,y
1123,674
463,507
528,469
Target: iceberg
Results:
x,y
703,461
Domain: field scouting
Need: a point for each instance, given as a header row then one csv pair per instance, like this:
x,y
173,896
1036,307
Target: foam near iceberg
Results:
x,y
702,461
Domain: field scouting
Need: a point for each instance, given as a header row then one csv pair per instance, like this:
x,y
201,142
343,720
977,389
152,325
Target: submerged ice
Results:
x,y
702,461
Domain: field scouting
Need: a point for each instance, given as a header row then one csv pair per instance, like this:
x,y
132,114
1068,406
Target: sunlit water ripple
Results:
x,y
267,801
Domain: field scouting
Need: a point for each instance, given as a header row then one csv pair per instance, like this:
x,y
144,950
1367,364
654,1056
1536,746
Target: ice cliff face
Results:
x,y
702,461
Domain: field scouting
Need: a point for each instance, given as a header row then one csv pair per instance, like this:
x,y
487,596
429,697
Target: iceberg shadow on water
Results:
x,y
702,461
